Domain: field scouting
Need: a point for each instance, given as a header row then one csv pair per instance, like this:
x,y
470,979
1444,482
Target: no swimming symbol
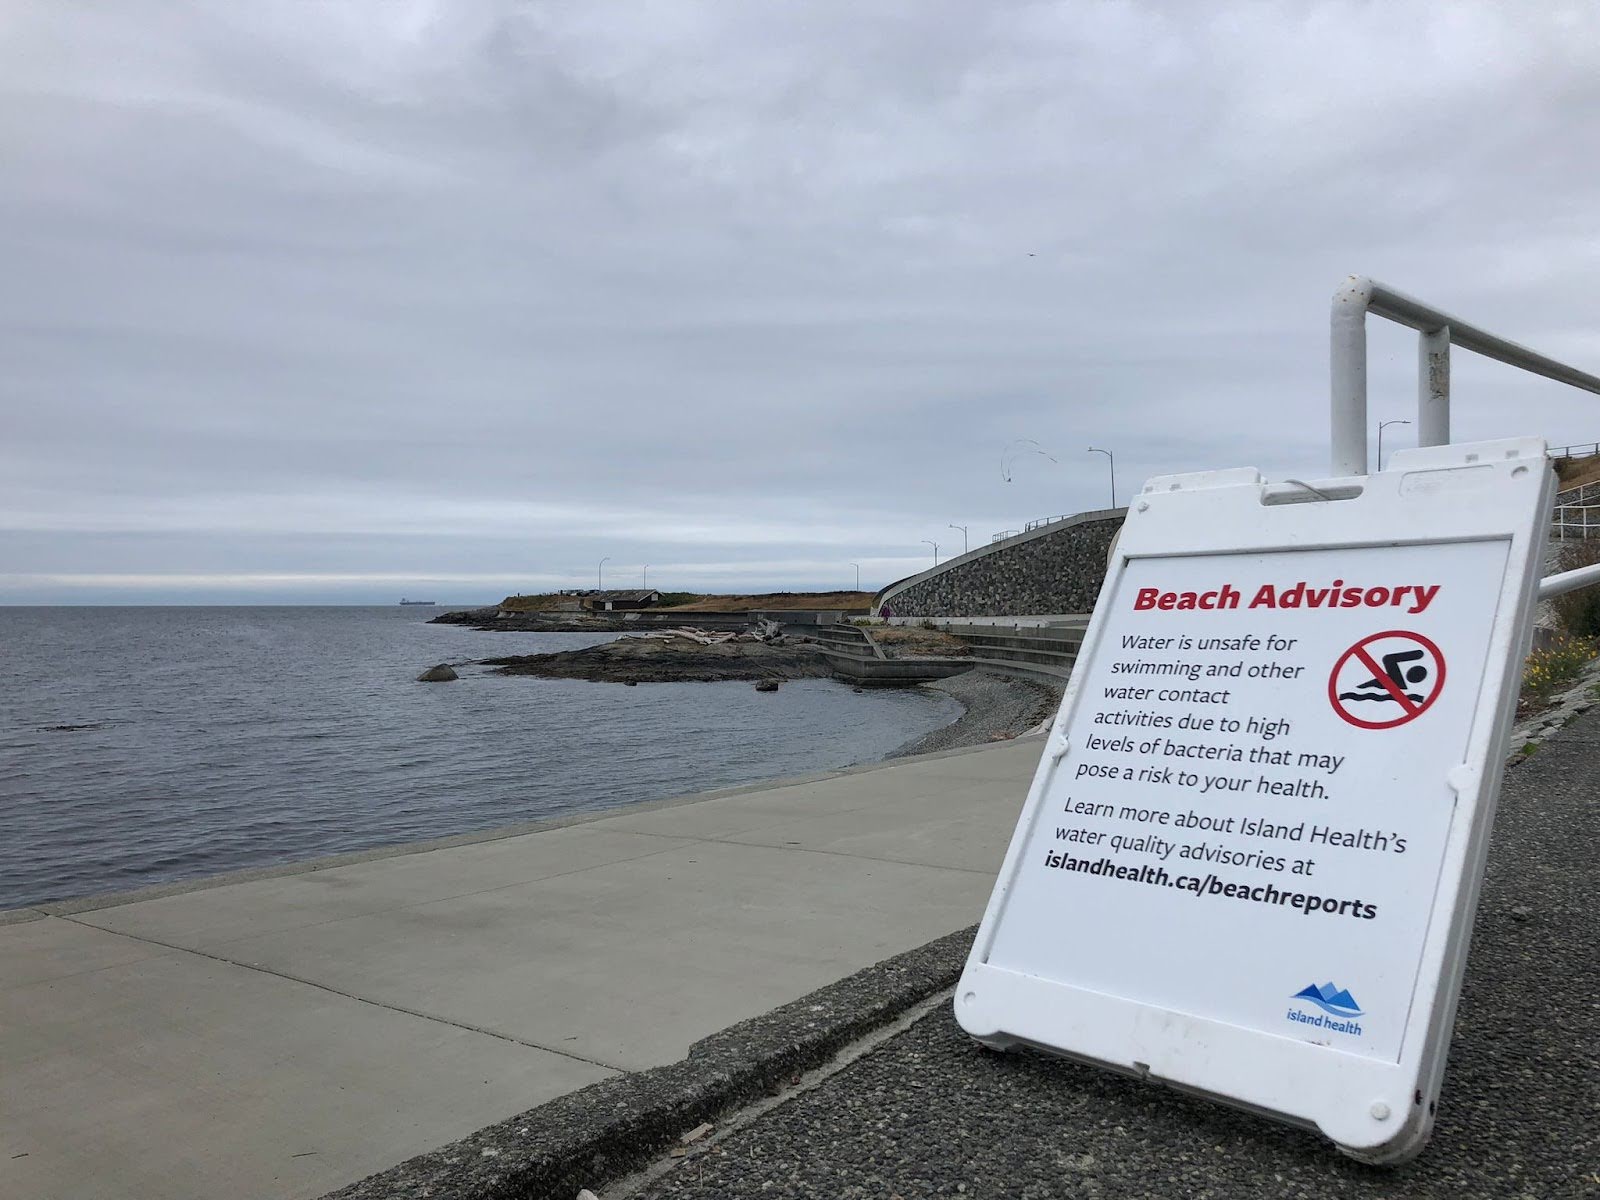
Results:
x,y
1386,679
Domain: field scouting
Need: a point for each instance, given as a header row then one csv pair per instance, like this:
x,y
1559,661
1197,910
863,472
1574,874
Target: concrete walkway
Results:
x,y
285,1034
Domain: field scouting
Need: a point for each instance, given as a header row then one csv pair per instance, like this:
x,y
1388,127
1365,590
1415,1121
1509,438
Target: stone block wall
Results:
x,y
1055,569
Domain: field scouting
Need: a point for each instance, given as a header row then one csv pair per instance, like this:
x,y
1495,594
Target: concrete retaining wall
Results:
x,y
1057,568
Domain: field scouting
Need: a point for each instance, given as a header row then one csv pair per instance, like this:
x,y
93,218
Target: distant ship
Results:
x,y
432,603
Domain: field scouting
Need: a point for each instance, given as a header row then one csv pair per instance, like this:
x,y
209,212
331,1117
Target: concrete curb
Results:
x,y
1564,707
610,1128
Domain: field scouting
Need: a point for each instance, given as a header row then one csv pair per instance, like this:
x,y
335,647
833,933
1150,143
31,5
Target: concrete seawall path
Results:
x,y
288,1033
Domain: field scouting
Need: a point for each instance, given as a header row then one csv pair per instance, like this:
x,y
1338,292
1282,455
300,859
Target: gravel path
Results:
x,y
996,704
930,1113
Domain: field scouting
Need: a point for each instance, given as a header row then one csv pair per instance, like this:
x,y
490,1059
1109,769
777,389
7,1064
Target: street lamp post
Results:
x,y
1381,426
600,574
935,546
857,566
963,529
1112,460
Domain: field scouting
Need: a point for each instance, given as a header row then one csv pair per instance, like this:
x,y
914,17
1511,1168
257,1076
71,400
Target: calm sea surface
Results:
x,y
221,738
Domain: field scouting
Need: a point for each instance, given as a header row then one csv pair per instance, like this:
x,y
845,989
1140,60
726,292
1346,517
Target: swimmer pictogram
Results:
x,y
1387,679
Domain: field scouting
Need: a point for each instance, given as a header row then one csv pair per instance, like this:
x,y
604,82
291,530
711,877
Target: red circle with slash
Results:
x,y
1398,663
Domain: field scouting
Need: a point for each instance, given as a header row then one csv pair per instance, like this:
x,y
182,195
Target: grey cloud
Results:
x,y
494,287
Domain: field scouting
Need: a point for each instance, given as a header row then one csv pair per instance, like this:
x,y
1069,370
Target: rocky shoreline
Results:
x,y
996,707
672,660
489,620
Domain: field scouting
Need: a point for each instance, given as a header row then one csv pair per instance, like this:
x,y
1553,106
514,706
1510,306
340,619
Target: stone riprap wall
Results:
x,y
1057,568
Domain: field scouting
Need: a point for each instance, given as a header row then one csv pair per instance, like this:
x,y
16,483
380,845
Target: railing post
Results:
x,y
1348,362
1569,581
1439,332
1433,387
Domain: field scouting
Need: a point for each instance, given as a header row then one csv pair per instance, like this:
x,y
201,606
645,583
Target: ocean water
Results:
x,y
209,739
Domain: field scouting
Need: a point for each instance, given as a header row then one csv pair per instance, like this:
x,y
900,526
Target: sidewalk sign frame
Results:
x,y
1374,1110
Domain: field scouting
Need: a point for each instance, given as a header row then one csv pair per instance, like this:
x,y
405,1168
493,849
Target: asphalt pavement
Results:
x,y
928,1112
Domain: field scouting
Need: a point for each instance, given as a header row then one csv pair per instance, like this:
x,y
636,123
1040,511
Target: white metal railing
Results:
x,y
1575,521
1439,331
1581,450
1581,494
1041,521
1029,527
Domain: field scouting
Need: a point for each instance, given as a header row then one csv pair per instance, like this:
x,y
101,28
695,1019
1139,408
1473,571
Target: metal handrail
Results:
x,y
1575,519
1577,495
1568,581
1560,525
1042,521
1439,331
1589,450
1348,329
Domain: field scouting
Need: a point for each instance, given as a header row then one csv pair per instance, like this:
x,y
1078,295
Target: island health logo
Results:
x,y
1339,1009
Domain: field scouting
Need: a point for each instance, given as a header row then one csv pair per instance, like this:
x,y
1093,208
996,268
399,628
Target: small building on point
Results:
x,y
619,601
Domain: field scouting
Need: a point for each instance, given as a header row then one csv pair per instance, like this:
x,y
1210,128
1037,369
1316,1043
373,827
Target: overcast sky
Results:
x,y
351,301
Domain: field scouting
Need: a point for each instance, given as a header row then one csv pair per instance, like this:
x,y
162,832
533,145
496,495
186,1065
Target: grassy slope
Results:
x,y
779,601
1574,472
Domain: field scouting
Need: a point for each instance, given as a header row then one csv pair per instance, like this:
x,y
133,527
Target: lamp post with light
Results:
x,y
1382,425
1112,460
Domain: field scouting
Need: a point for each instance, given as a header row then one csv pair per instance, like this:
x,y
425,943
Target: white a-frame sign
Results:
x,y
1250,856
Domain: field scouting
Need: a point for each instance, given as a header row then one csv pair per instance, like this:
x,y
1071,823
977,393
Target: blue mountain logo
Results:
x,y
1330,999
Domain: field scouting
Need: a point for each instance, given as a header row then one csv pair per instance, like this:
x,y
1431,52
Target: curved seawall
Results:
x,y
1056,568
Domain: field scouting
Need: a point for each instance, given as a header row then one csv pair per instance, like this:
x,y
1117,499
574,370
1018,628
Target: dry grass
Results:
x,y
530,603
1575,472
780,602
909,641
777,601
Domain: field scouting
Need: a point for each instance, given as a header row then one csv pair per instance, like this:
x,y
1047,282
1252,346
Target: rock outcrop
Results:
x,y
665,659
